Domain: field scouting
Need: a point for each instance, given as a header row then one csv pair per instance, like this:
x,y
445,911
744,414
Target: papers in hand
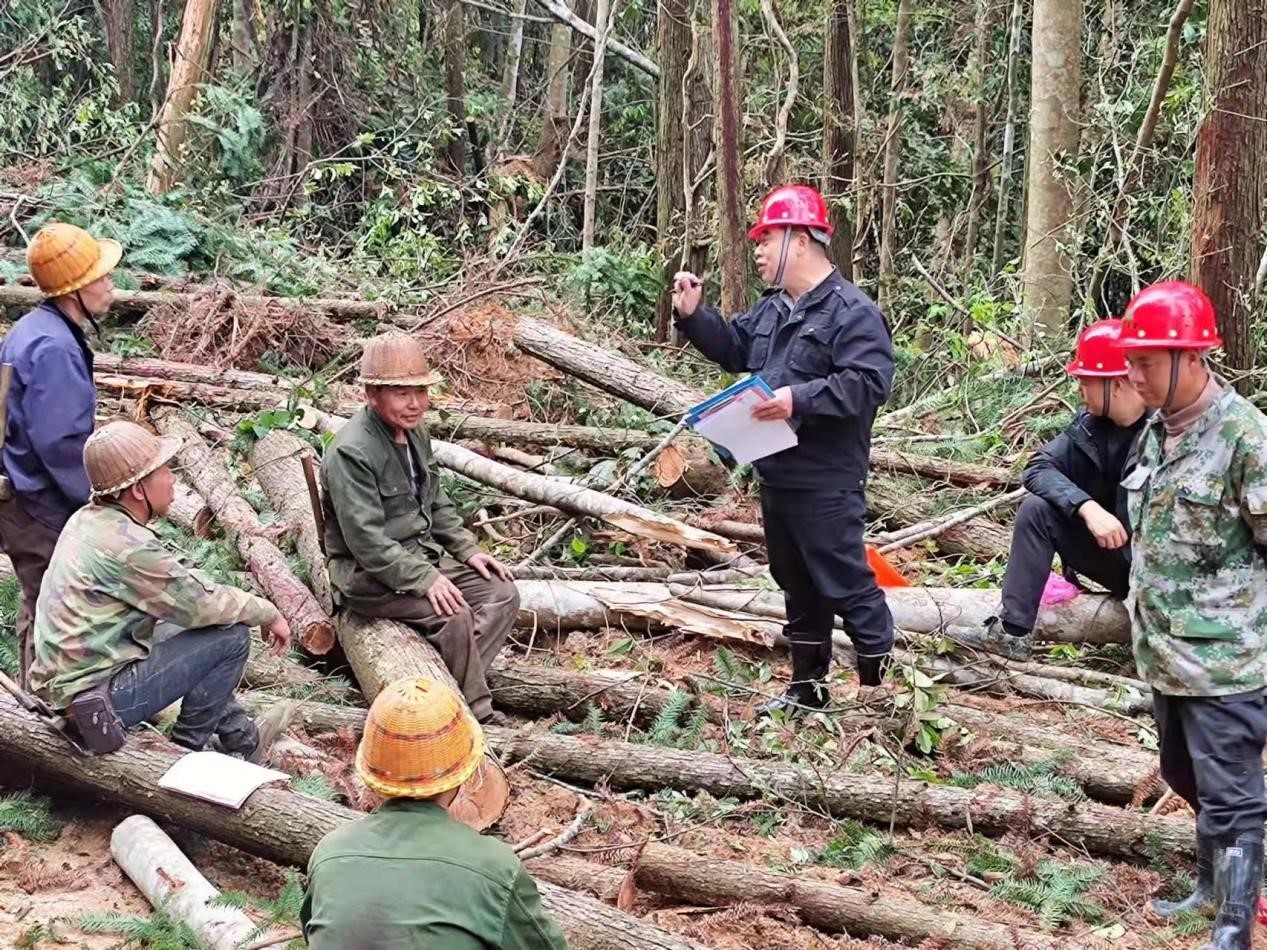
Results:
x,y
214,777
726,419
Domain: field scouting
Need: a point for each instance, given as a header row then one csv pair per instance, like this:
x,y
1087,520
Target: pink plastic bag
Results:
x,y
1058,590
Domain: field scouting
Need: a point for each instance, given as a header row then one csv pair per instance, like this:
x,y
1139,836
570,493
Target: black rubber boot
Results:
x,y
1201,900
806,692
871,669
1238,878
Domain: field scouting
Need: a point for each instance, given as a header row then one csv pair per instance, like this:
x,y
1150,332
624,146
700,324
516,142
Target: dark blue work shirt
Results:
x,y
52,403
832,347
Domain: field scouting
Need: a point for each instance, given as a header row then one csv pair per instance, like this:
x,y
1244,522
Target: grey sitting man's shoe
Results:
x,y
270,727
997,637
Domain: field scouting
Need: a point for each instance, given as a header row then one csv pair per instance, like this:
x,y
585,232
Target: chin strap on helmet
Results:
x,y
783,249
1175,356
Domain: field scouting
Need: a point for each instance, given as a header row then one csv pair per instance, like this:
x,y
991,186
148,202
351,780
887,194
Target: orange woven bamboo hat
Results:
x,y
420,741
63,258
121,453
395,359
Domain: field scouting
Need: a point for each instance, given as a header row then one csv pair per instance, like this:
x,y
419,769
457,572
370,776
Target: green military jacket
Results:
x,y
109,582
380,539
1198,597
411,877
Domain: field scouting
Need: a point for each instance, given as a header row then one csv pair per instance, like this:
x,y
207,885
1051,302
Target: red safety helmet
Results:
x,y
792,206
1172,315
1097,355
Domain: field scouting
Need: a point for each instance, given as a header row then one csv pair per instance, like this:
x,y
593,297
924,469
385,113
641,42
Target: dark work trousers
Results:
x,y
1040,533
817,557
201,668
1212,757
469,640
29,544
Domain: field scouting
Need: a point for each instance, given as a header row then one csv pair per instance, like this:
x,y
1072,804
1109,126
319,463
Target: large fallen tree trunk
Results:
x,y
213,482
942,470
880,799
685,876
142,301
275,823
111,364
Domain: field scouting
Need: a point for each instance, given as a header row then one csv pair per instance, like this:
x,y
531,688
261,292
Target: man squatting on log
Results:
x,y
395,544
411,875
1198,594
1077,506
98,652
52,402
825,349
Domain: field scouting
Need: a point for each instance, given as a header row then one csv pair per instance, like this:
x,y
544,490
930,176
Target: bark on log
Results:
x,y
1102,829
142,301
188,67
942,470
686,876
172,884
980,538
275,823
619,574
212,481
190,512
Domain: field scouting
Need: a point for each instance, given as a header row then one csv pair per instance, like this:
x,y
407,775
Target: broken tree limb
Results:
x,y
617,574
907,538
172,884
265,671
903,506
636,59
213,482
686,876
880,799
149,367
275,823
142,301
942,470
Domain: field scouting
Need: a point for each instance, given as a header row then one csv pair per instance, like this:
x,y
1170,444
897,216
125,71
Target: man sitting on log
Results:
x,y
395,544
111,581
1198,595
1076,507
51,404
411,875
825,349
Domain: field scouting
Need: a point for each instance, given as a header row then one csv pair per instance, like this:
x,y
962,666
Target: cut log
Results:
x,y
275,823
142,301
743,531
685,876
111,364
904,506
1102,829
617,574
190,512
942,470
276,466
172,884
311,624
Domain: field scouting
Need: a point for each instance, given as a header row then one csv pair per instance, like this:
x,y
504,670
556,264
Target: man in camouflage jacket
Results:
x,y
1198,601
111,583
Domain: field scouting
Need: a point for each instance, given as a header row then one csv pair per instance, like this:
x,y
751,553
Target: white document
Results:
x,y
218,778
733,428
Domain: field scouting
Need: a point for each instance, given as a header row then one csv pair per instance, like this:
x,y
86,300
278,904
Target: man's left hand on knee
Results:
x,y
489,567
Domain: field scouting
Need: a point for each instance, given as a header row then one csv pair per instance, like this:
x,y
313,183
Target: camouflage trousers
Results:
x,y
201,668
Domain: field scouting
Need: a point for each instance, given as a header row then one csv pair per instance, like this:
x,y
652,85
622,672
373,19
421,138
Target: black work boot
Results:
x,y
1201,899
871,669
1238,877
806,692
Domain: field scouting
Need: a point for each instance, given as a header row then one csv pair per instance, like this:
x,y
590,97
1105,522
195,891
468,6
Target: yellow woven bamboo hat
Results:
x,y
121,453
396,359
420,741
63,258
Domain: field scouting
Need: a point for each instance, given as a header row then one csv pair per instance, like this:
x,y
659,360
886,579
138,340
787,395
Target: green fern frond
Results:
x,y
158,932
854,846
665,727
593,721
693,733
1041,778
565,728
986,858
30,815
314,786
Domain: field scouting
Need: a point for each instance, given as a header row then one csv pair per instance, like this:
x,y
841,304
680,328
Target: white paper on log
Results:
x,y
217,778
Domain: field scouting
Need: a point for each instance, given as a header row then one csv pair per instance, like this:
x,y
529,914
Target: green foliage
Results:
x,y
314,786
157,932
233,122
920,694
1054,893
666,727
985,858
624,280
278,912
1041,778
217,558
30,815
10,602
38,933
855,845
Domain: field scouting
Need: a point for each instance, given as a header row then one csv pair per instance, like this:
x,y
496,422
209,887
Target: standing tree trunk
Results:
x,y
119,16
510,83
1055,105
980,175
673,47
732,251
1009,138
188,66
604,15
1229,217
893,148
554,119
838,133
453,29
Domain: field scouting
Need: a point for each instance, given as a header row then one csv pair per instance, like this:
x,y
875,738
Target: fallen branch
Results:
x,y
567,834
913,536
561,13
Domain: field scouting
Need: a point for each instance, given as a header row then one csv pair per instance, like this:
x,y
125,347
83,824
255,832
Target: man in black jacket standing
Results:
x,y
1076,507
825,349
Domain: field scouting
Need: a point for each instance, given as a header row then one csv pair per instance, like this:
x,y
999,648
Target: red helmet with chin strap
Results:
x,y
1172,315
792,206
1097,355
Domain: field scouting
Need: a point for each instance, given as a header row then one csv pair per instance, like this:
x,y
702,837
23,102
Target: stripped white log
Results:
x,y
172,884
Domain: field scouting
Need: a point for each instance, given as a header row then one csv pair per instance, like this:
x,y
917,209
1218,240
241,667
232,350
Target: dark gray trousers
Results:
x,y
1212,757
1039,534
201,668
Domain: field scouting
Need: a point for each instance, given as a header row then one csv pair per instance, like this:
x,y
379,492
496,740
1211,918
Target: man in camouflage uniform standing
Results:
x,y
1198,599
111,582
